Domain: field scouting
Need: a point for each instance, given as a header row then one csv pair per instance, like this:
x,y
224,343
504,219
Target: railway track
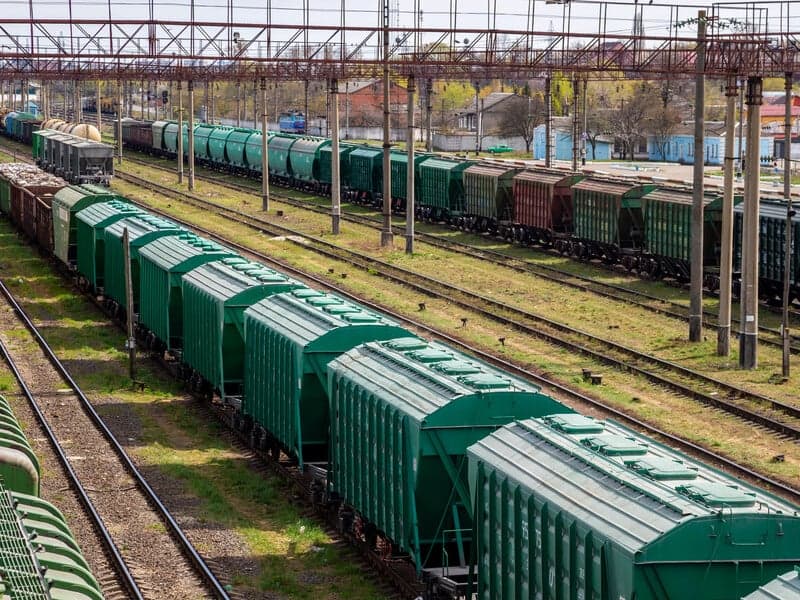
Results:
x,y
620,293
704,454
777,416
145,547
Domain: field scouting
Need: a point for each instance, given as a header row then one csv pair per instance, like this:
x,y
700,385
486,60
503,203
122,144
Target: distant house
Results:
x,y
490,109
774,115
679,147
363,100
562,142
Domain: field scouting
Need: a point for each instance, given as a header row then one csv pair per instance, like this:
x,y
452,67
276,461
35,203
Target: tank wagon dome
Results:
x,y
638,512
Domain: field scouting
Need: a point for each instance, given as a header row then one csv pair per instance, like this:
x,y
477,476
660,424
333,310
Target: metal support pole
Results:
x,y
264,154
428,115
740,167
410,204
76,102
787,194
585,121
208,101
97,107
477,120
575,141
748,338
387,237
180,132
238,103
119,122
141,99
696,267
336,186
305,103
255,104
190,149
726,236
149,97
548,123
130,344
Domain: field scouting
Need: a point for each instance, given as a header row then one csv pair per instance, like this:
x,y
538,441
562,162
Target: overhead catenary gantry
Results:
x,y
477,40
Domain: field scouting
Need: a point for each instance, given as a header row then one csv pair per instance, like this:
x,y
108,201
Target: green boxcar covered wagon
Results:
x,y
236,146
488,201
215,296
142,229
67,203
366,175
291,338
325,166
162,264
441,188
217,144
304,157
92,222
202,133
159,142
571,507
398,163
279,146
403,413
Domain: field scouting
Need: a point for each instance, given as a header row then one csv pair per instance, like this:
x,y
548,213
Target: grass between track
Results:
x,y
292,556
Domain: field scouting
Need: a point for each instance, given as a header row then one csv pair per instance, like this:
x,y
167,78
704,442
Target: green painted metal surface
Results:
x,y
325,168
19,467
366,170
158,134
609,213
568,507
235,145
215,296
304,156
278,148
5,196
171,138
142,229
66,204
253,150
291,338
40,558
398,162
202,132
442,184
92,222
162,263
668,224
771,241
406,411
487,191
217,143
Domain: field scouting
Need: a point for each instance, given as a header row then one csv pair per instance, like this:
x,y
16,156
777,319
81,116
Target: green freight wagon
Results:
x,y
278,150
235,146
92,222
202,133
304,157
291,338
571,507
441,188
406,411
608,218
771,247
217,142
398,163
253,151
366,174
19,467
171,138
326,168
66,204
40,557
215,296
162,263
488,199
668,232
5,196
159,143
783,587
142,229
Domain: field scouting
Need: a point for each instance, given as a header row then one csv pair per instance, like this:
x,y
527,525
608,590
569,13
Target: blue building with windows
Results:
x,y
562,142
679,146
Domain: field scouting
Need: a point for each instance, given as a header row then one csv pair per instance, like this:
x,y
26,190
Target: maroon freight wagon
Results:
x,y
543,205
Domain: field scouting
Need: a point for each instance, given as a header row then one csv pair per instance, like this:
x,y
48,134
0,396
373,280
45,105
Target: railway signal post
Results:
x,y
748,337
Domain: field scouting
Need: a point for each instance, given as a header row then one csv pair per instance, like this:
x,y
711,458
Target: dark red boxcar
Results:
x,y
543,203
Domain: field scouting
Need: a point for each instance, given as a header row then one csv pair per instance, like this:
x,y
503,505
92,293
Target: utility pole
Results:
x,y
787,194
575,142
387,237
264,155
180,131
548,123
190,149
726,236
238,103
477,120
748,338
428,115
119,121
336,189
97,107
410,204
696,275
131,341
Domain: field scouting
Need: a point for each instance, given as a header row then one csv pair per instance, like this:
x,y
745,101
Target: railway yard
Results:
x,y
266,364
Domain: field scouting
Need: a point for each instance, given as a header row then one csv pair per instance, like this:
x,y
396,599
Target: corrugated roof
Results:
x,y
171,252
229,277
783,587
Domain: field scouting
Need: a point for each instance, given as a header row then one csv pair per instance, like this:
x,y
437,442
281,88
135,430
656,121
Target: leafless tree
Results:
x,y
521,116
663,121
629,122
